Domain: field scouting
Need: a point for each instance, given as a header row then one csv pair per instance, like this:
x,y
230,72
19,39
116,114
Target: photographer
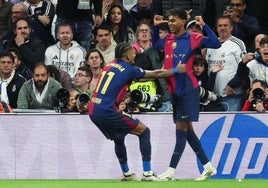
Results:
x,y
76,99
70,101
146,94
257,97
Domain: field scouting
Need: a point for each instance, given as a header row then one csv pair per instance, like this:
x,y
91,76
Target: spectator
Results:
x,y
255,68
19,66
72,103
258,10
5,19
31,49
200,69
144,11
257,97
163,30
121,30
42,13
192,26
228,55
148,87
10,82
83,78
257,44
106,6
60,75
144,37
38,92
196,7
245,27
79,14
106,44
19,11
66,54
95,62
128,4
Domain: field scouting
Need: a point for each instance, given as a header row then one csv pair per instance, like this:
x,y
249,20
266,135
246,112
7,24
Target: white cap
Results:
x,y
193,22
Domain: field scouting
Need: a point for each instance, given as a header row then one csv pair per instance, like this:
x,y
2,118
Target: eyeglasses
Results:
x,y
144,30
80,75
236,4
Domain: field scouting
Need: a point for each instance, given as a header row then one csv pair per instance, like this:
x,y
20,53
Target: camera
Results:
x,y
82,99
206,96
62,98
60,101
258,95
137,96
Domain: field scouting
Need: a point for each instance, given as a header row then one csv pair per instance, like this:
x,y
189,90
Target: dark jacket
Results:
x,y
67,9
41,31
13,89
32,51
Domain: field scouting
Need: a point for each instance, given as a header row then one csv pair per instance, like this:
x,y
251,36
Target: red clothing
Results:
x,y
247,106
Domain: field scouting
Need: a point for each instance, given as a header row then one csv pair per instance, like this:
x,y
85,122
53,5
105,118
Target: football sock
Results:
x,y
145,149
179,148
121,153
195,144
146,166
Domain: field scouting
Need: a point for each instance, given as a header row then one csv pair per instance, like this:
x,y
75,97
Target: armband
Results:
x,y
175,70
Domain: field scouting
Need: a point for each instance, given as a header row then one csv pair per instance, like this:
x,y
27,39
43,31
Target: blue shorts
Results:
x,y
186,107
115,126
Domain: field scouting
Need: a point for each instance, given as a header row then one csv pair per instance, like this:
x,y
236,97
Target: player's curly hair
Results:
x,y
121,49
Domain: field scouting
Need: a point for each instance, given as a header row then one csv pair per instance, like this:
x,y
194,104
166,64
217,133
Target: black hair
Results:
x,y
264,40
103,26
101,56
54,72
181,13
226,17
15,51
200,60
121,49
86,70
23,19
262,82
123,25
7,54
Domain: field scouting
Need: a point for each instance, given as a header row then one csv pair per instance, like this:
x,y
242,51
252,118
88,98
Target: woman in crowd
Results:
x,y
122,32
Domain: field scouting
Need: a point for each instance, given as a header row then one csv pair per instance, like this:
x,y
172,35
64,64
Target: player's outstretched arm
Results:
x,y
161,73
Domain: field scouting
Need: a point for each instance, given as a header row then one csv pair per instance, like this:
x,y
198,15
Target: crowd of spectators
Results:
x,y
68,42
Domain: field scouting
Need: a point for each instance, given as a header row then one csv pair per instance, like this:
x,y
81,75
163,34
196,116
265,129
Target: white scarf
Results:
x,y
3,87
40,96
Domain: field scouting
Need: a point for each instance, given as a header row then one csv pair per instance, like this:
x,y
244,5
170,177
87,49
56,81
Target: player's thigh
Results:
x,y
186,107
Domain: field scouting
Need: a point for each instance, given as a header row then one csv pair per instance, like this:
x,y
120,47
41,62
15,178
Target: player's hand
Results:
x,y
182,67
158,19
200,21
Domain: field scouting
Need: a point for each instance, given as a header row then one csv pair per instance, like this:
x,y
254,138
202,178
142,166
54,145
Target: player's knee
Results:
x,y
119,141
145,133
